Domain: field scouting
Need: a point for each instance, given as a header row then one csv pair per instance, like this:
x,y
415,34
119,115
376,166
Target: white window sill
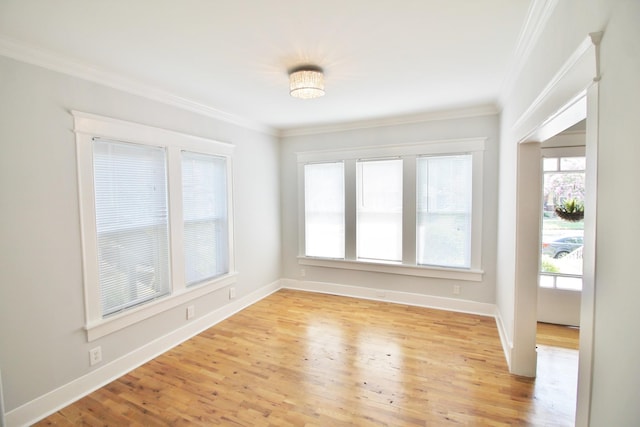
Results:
x,y
471,275
129,317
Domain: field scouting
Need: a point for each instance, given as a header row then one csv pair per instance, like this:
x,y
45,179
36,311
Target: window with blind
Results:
x,y
412,209
132,223
444,193
379,210
156,219
204,201
324,210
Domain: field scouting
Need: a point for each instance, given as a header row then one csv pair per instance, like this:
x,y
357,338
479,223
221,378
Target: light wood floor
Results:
x,y
558,336
304,359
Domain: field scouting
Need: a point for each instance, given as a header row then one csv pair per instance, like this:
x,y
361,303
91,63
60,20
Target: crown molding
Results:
x,y
461,113
30,54
536,20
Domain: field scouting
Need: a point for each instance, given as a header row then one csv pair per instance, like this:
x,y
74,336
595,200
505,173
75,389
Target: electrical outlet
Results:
x,y
456,289
191,312
232,293
95,355
303,272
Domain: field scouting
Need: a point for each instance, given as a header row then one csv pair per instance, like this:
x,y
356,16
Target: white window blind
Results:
x,y
324,210
204,195
379,210
444,195
131,222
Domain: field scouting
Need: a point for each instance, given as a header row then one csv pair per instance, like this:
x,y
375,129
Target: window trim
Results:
x,y
410,151
88,126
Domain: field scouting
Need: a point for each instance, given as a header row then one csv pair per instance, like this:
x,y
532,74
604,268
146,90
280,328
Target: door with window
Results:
x,y
562,211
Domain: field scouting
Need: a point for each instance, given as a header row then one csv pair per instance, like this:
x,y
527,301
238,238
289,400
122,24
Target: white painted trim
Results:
x,y
471,275
440,146
572,113
30,54
527,252
507,344
587,307
124,130
109,325
461,113
397,297
564,89
51,402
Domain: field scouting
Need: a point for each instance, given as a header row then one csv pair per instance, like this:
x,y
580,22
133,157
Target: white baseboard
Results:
x,y
419,300
55,400
507,344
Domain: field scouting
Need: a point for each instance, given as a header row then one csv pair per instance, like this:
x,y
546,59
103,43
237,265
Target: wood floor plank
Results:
x,y
305,359
558,335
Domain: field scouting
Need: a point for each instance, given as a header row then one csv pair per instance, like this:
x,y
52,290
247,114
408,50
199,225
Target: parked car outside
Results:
x,y
562,246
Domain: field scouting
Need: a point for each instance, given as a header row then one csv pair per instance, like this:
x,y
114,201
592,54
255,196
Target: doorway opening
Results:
x,y
562,173
561,234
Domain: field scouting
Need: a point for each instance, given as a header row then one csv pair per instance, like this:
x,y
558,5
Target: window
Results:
x,y
156,219
132,224
204,204
404,209
444,210
379,210
324,210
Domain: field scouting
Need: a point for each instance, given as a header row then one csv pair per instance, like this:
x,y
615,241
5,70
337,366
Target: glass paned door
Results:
x,y
562,233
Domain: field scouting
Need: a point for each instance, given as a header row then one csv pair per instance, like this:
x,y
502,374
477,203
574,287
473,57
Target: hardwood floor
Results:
x,y
558,336
557,376
304,359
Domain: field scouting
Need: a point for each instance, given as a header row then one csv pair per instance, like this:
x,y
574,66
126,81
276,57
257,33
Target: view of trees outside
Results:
x,y
562,240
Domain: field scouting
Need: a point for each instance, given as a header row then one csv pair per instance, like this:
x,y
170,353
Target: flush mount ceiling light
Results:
x,y
306,82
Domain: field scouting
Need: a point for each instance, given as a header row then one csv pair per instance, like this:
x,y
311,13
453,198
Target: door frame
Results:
x,y
571,95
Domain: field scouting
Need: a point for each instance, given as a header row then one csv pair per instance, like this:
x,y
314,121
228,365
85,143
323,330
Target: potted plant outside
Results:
x,y
570,210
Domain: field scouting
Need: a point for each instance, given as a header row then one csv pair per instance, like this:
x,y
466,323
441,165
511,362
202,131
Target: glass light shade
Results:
x,y
306,84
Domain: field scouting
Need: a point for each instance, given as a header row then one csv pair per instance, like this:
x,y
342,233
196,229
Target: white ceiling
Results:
x,y
381,58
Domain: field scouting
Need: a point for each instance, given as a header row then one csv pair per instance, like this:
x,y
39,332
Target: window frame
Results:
x,y
409,154
89,126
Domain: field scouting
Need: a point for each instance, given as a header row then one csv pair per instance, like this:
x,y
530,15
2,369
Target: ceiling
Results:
x,y
382,58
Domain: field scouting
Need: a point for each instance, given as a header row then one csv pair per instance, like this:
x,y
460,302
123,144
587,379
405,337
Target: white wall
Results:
x,y
566,29
616,371
43,343
615,385
481,126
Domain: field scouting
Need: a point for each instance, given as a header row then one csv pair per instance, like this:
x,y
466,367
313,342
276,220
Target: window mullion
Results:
x,y
477,209
350,209
409,210
230,225
176,229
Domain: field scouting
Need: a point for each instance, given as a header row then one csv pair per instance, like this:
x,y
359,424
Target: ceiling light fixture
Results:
x,y
306,82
